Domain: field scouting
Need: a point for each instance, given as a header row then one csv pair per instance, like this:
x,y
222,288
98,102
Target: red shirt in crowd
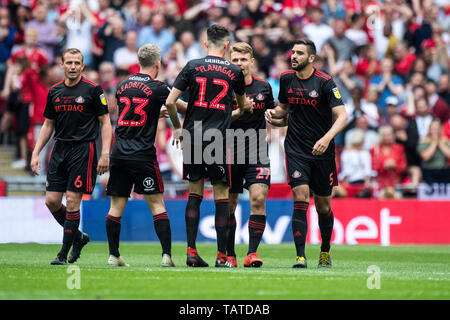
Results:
x,y
381,154
38,92
36,56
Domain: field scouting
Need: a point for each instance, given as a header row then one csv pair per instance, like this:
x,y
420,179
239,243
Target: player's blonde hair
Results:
x,y
72,51
148,55
242,47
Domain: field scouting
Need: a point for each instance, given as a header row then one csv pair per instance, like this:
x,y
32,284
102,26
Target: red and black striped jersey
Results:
x,y
211,81
310,113
75,110
139,99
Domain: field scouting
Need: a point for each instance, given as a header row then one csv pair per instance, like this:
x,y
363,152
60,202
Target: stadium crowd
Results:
x,y
389,58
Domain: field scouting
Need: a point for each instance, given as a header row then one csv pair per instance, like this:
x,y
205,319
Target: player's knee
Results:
x,y
322,207
72,201
52,204
258,202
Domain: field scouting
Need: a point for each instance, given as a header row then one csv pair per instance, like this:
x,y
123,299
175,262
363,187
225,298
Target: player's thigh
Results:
x,y
298,170
73,200
57,174
323,177
120,182
197,187
118,205
258,196
221,191
146,177
82,167
155,203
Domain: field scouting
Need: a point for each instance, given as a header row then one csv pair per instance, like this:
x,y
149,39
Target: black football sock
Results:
x,y
231,235
71,225
192,217
113,225
256,226
162,228
221,224
60,217
326,222
300,226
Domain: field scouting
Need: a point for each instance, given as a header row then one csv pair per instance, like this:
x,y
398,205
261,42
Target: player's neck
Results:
x,y
152,72
216,52
248,79
71,83
306,72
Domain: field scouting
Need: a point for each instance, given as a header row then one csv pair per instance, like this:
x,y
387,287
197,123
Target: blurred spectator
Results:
x,y
444,87
192,49
47,31
7,33
262,53
387,83
20,15
175,21
317,29
332,9
126,56
112,33
404,59
367,64
344,46
434,150
108,80
358,106
356,32
356,164
30,51
439,108
392,109
370,136
388,160
157,33
347,80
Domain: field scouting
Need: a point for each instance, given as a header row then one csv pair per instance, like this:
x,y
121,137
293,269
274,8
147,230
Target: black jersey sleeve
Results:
x,y
282,94
100,103
270,100
163,93
239,84
332,94
182,81
49,111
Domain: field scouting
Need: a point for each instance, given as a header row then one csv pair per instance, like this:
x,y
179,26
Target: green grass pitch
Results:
x,y
405,272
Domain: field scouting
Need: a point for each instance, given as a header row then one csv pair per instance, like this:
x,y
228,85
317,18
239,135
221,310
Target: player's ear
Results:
x,y
312,58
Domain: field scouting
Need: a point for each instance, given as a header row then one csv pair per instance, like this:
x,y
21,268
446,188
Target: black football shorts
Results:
x,y
73,167
144,175
251,173
320,175
215,172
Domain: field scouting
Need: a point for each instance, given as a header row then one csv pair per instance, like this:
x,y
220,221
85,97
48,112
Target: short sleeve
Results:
x,y
239,84
49,111
182,81
270,100
332,94
282,93
100,102
163,93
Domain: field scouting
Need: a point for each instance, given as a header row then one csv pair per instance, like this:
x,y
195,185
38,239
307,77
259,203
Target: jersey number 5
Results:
x,y
214,102
141,103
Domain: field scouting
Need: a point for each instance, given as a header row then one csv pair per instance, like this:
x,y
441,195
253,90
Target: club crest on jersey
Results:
x,y
260,97
79,99
103,99
296,174
148,184
313,94
336,93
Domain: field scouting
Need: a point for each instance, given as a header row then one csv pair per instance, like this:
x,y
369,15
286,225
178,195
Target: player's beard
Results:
x,y
301,66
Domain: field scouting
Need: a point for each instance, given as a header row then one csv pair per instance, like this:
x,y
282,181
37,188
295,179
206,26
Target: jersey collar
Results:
x,y
81,78
313,71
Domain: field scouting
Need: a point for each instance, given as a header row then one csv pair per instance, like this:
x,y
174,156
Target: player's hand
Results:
x,y
269,114
35,164
178,138
103,164
164,113
248,106
321,146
